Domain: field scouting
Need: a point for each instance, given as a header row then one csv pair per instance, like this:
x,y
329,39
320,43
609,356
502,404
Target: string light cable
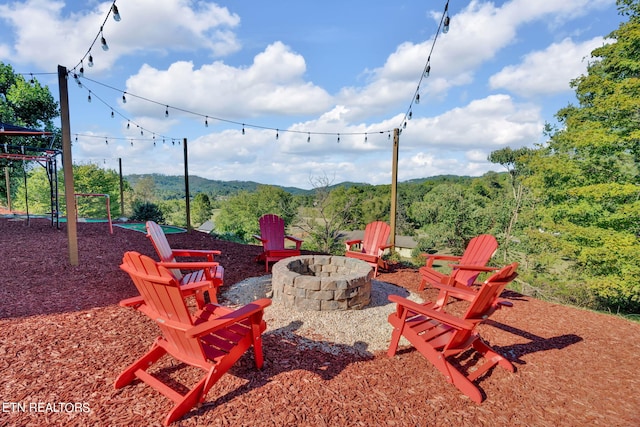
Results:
x,y
443,27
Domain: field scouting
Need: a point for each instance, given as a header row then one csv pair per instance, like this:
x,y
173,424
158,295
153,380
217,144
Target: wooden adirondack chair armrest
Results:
x,y
255,236
134,302
460,293
243,312
432,257
201,253
294,239
440,316
383,247
474,267
197,265
350,243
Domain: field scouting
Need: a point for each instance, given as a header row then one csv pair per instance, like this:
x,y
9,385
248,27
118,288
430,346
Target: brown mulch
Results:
x,y
64,340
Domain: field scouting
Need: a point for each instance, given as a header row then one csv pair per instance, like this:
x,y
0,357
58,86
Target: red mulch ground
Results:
x,y
64,339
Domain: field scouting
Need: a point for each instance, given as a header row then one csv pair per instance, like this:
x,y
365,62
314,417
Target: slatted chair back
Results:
x,y
376,235
478,252
164,302
484,303
272,230
161,244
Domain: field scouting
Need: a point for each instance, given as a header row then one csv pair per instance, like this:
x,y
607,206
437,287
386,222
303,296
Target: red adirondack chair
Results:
x,y
372,246
440,336
474,259
207,275
211,339
273,237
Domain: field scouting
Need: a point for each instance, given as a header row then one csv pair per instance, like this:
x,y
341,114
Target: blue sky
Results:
x,y
301,75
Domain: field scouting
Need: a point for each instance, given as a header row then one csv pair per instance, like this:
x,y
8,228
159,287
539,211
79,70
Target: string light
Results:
x,y
308,137
90,61
443,27
206,122
81,72
166,111
116,13
277,134
89,97
447,20
124,98
243,128
103,41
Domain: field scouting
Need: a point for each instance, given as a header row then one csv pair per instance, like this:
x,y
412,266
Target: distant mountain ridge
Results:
x,y
172,184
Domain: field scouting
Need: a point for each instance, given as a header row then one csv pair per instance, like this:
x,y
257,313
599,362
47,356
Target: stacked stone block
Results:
x,y
322,282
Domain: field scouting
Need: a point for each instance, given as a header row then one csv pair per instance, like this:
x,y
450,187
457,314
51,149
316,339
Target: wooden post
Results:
x,y
394,187
8,181
121,187
67,165
186,185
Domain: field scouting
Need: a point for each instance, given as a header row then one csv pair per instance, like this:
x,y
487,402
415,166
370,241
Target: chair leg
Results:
x,y
129,374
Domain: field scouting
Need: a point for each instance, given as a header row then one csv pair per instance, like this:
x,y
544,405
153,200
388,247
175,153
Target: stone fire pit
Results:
x,y
322,282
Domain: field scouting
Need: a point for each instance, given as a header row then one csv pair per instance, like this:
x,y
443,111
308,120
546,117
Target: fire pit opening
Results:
x,y
322,282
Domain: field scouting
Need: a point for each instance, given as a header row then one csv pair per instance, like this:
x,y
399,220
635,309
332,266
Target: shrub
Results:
x,y
147,211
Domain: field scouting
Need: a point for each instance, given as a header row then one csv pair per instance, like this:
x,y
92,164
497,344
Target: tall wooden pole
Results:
x,y
186,184
121,187
394,186
8,183
67,165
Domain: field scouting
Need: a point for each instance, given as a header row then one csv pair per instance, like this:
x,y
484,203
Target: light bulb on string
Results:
x,y
410,114
417,98
124,98
206,122
75,76
366,137
132,142
90,61
427,70
104,44
308,137
32,81
404,125
81,71
243,128
89,97
166,112
445,27
112,114
338,138
128,124
106,141
277,134
116,13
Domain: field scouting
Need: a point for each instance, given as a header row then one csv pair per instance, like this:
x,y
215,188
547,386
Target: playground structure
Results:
x,y
47,158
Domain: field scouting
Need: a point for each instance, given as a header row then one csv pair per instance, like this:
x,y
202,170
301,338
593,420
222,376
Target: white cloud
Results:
x,y
45,35
273,85
548,71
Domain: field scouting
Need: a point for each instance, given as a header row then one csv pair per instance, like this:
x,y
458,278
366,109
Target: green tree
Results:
x,y
88,179
200,209
239,215
29,104
585,179
331,212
